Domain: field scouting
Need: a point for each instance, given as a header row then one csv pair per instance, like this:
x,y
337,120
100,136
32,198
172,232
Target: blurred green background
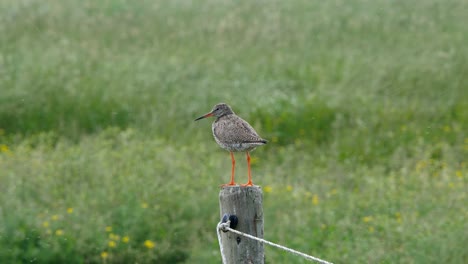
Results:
x,y
364,104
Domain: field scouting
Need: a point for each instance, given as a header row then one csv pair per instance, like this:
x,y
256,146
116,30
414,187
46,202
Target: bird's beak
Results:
x,y
204,116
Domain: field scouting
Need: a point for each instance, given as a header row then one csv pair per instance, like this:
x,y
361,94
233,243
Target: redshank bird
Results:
x,y
233,134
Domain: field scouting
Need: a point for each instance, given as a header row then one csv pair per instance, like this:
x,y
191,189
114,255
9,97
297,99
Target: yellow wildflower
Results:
x,y
104,254
253,160
447,129
144,205
289,188
125,239
54,217
112,244
4,148
108,228
149,244
45,224
398,217
367,219
315,199
70,210
59,232
268,189
371,229
459,174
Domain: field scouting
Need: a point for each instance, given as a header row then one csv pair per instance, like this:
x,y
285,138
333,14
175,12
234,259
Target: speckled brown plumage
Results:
x,y
233,133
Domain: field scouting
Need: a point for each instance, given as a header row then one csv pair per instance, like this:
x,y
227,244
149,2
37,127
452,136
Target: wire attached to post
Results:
x,y
218,231
226,227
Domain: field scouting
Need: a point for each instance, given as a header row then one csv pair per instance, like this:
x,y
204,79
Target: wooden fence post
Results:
x,y
247,204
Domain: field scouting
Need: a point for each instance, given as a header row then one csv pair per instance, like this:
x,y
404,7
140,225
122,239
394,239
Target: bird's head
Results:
x,y
218,111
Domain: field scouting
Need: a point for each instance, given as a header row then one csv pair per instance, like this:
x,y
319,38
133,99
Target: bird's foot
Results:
x,y
228,184
247,184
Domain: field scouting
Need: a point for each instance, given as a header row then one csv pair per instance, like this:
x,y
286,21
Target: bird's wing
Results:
x,y
244,132
236,130
250,132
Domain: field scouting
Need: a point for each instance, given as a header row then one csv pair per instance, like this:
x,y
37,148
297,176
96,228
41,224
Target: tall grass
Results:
x,y
364,104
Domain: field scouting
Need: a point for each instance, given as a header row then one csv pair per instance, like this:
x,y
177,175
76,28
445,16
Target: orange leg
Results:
x,y
232,172
249,183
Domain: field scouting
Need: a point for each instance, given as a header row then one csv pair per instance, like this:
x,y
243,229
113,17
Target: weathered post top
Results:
x,y
247,204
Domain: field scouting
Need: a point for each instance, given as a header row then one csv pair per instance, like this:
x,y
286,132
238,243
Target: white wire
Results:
x,y
218,231
225,226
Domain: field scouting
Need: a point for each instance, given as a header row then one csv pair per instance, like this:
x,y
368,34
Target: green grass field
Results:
x,y
364,104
